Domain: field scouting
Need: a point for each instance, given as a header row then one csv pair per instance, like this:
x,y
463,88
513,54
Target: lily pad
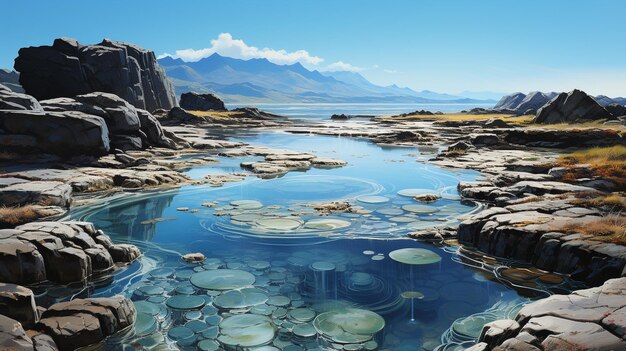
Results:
x,y
349,325
414,256
302,314
208,345
412,295
327,224
390,211
419,208
240,298
372,199
246,330
179,333
247,204
222,279
185,302
278,223
304,330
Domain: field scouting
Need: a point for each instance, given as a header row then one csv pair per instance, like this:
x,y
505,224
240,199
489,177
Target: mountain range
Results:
x,y
259,80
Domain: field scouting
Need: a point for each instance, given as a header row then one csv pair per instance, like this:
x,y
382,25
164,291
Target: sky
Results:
x,y
441,45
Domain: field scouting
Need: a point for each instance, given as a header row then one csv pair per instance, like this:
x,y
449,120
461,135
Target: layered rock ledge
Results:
x,y
590,319
59,252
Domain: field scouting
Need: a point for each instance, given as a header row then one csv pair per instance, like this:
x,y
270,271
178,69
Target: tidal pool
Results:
x,y
279,276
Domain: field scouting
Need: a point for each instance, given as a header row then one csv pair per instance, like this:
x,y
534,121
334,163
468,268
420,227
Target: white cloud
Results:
x,y
390,71
341,66
225,45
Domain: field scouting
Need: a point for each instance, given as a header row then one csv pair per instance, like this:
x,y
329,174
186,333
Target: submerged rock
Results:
x,y
18,302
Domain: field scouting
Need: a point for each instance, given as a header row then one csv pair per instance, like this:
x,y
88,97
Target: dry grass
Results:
x,y
599,124
216,114
460,117
609,203
610,229
605,162
13,216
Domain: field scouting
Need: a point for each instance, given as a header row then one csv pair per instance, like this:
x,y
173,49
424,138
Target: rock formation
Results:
x,y
510,102
616,110
590,319
571,107
531,103
67,69
11,80
60,252
201,102
89,124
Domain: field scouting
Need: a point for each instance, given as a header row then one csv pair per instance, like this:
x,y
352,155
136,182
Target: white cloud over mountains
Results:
x,y
225,45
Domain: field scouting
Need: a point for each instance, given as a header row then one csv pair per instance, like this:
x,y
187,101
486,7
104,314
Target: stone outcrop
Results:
x,y
201,102
129,128
64,133
83,322
590,319
66,325
18,302
11,100
563,138
61,252
616,110
67,69
571,107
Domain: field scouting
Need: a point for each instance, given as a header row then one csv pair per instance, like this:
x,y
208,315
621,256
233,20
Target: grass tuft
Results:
x,y
611,228
605,162
13,216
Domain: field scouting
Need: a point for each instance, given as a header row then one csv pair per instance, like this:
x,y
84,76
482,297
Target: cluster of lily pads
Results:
x,y
241,303
369,215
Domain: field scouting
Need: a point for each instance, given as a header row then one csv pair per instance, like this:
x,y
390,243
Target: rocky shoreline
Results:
x,y
77,140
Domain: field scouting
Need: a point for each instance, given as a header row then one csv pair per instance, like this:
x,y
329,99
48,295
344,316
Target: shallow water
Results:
x,y
302,264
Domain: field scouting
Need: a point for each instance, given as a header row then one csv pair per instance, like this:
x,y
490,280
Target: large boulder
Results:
x,y
64,133
10,100
18,302
83,322
129,127
201,102
67,69
13,336
510,102
60,252
571,107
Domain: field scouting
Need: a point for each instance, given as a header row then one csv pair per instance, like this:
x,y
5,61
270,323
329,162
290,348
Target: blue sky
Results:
x,y
442,45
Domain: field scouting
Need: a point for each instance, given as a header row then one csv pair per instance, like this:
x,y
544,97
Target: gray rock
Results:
x,y
497,332
13,336
484,139
616,110
83,322
18,302
38,193
64,133
201,102
10,100
533,102
20,262
67,69
571,107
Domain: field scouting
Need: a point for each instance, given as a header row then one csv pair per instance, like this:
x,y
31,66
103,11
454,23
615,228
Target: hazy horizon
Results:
x,y
447,46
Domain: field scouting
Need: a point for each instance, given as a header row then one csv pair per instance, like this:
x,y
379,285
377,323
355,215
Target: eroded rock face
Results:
x,y
13,336
129,128
67,69
10,100
570,107
61,252
64,133
201,102
510,102
18,302
11,80
583,320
